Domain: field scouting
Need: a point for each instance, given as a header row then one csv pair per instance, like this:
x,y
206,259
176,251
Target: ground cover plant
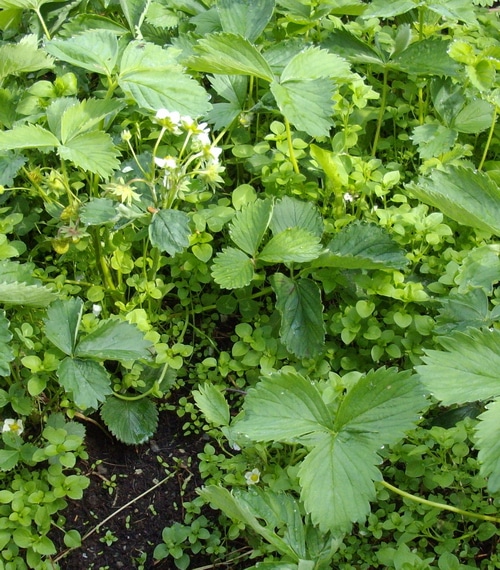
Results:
x,y
277,222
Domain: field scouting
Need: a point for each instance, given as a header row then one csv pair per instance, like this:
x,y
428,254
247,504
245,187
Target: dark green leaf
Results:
x,y
302,329
87,381
130,421
62,322
10,164
169,231
114,340
290,213
98,211
427,57
6,354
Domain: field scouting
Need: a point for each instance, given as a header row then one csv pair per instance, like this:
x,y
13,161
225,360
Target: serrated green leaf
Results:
x,y
467,196
247,18
29,295
466,369
114,340
212,404
169,231
9,459
232,268
290,213
23,57
283,406
291,245
24,4
315,63
154,79
474,117
27,136
302,329
427,57
488,443
62,322
98,211
362,246
433,140
87,381
352,48
135,12
10,165
130,421
94,50
336,480
249,225
6,354
103,159
229,54
382,405
382,9
85,115
307,104
480,268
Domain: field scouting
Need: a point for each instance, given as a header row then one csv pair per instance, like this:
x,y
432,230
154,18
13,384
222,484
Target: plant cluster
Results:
x,y
288,209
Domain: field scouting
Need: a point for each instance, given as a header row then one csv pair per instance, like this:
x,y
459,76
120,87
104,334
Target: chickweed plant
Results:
x,y
284,213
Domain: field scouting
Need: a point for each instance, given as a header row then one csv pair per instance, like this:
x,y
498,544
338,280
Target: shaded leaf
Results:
x,y
132,422
307,104
229,54
347,45
114,340
134,12
282,407
466,369
10,164
232,268
291,245
62,323
6,353
362,246
247,18
23,57
87,381
98,211
169,231
302,329
469,197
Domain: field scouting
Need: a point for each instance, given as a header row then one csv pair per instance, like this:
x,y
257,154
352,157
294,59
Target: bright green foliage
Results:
x,y
337,475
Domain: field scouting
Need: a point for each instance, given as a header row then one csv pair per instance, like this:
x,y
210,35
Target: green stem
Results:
x,y
439,505
105,272
383,103
488,141
42,21
291,151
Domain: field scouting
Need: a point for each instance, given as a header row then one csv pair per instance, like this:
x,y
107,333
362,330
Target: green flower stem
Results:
x,y
488,141
105,271
439,505
42,22
291,151
383,103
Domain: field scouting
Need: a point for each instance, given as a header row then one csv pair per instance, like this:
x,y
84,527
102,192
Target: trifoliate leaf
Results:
x,y
114,340
62,322
87,381
130,421
302,329
232,268
466,369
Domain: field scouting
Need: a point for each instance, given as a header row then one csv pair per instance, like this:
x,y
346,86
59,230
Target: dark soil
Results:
x,y
119,474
